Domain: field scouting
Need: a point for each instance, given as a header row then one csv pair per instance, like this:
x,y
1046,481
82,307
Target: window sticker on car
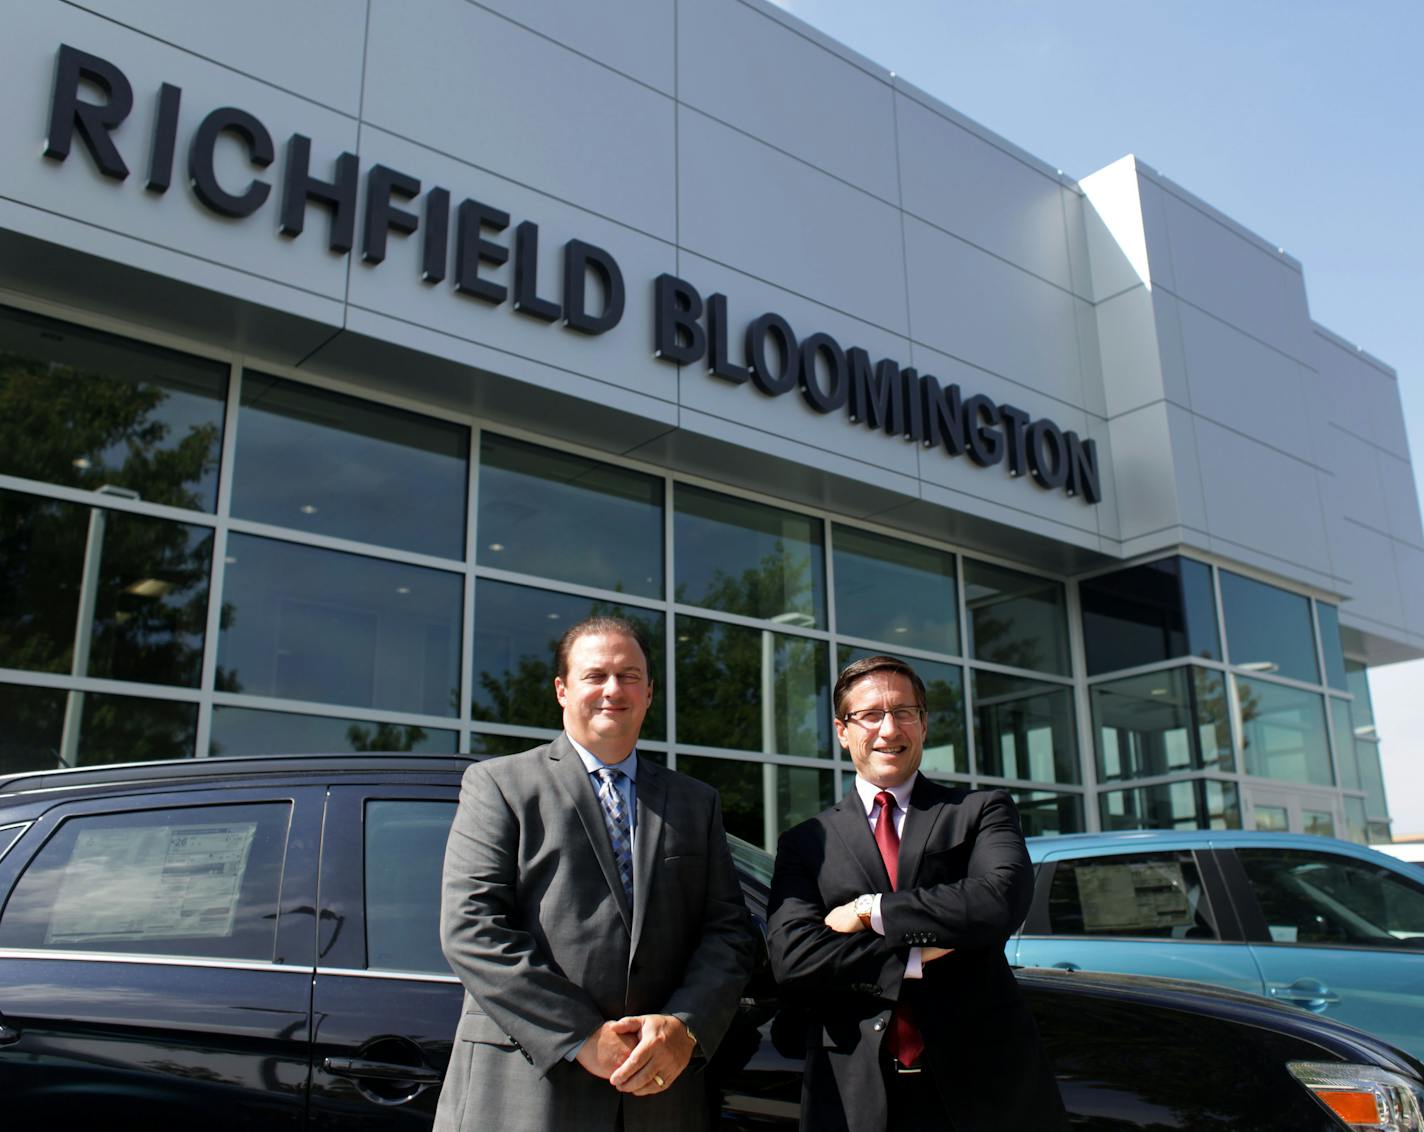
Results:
x,y
1132,896
1284,933
164,881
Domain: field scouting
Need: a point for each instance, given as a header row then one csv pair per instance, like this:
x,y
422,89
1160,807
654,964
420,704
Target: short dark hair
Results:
x,y
595,626
859,669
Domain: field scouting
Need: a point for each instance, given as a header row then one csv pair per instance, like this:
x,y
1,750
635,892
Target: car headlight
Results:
x,y
1364,1097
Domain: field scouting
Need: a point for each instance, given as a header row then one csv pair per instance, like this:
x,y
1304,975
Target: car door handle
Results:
x,y
381,1070
8,1034
1310,993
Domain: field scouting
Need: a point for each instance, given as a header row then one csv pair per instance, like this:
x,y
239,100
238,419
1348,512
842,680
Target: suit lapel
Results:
x,y
848,820
573,780
927,808
651,805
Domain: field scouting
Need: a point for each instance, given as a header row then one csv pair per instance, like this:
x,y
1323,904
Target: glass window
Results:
x,y
126,729
1343,732
1193,804
1355,820
246,731
1357,677
125,882
141,584
894,591
85,409
334,465
405,843
1149,613
1024,729
1329,617
748,789
517,629
1372,779
1268,628
1319,822
491,744
752,689
946,751
1016,619
1044,812
569,518
1283,732
1151,895
1272,819
1161,723
1310,897
748,558
303,623
34,723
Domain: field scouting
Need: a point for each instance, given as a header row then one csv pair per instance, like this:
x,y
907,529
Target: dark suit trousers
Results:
x,y
913,1100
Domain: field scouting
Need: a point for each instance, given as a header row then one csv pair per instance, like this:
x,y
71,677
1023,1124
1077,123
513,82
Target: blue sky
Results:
x,y
1301,119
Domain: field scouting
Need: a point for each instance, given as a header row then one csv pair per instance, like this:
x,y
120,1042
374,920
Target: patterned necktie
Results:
x,y
615,817
904,1038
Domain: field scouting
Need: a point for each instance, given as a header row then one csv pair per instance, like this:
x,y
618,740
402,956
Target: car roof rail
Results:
x,y
225,766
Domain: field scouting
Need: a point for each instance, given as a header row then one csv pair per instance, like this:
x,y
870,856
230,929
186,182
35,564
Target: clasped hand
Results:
x,y
642,1054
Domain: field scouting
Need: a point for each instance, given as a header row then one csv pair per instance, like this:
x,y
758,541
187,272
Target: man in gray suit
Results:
x,y
592,912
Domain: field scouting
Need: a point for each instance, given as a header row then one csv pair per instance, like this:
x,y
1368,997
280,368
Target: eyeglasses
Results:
x,y
873,717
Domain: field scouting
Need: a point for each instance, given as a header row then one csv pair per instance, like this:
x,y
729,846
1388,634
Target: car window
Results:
x,y
1311,897
405,849
193,881
1158,895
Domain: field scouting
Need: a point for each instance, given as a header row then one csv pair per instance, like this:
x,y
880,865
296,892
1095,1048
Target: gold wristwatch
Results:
x,y
864,905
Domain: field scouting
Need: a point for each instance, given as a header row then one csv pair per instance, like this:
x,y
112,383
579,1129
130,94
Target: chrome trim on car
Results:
x,y
404,976
151,960
10,834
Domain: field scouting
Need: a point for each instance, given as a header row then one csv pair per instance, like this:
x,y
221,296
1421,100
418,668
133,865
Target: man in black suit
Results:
x,y
888,917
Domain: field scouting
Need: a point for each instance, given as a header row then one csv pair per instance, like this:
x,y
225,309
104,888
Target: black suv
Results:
x,y
228,943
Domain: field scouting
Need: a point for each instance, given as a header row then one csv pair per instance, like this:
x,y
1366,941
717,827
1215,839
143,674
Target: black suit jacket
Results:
x,y
966,884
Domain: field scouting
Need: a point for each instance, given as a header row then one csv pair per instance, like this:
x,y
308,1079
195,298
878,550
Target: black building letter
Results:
x,y
719,362
677,335
1083,468
381,215
472,249
434,249
579,258
526,275
93,119
876,393
944,415
823,400
763,377
165,138
338,194
1016,420
253,134
986,443
1047,454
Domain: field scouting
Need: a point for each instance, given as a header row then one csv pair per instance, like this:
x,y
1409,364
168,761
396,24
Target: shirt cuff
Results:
x,y
915,965
877,925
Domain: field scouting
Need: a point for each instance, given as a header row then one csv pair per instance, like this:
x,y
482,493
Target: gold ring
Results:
x,y
658,1078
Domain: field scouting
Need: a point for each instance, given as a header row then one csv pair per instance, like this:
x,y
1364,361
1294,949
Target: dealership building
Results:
x,y
352,349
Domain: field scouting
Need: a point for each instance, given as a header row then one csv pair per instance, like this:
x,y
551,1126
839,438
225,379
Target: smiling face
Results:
x,y
887,755
605,693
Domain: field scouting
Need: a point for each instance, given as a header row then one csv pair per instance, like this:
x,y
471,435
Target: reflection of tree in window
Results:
x,y
63,424
385,737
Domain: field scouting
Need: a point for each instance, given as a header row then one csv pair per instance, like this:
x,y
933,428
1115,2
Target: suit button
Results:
x,y
879,1024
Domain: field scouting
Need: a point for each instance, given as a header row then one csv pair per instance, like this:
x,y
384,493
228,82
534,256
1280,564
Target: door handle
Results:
x,y
8,1034
359,1067
1312,994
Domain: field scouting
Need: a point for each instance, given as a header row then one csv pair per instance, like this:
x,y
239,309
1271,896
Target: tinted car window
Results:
x,y
405,845
1158,895
1310,897
196,881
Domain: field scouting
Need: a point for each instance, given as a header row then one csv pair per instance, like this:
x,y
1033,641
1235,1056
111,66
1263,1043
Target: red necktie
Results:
x,y
904,1039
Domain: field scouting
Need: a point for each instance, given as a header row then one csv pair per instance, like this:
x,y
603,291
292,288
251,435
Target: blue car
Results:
x,y
1328,926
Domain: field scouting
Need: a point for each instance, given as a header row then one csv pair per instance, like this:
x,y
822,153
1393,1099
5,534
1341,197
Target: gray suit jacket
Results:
x,y
535,922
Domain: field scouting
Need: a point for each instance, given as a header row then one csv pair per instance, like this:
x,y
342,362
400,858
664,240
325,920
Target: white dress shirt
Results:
x,y
914,966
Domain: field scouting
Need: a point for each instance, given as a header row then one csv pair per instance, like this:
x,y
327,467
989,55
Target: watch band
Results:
x,y
864,906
